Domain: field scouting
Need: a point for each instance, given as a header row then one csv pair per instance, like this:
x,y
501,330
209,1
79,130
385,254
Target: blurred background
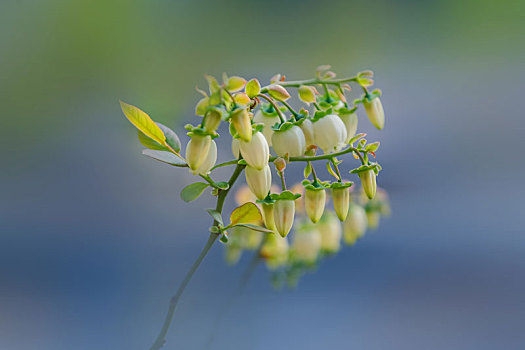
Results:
x,y
94,238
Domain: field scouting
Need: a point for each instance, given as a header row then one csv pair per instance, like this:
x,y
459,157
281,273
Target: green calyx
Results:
x,y
321,114
346,111
286,196
198,131
340,185
315,185
269,111
368,96
287,125
372,166
267,200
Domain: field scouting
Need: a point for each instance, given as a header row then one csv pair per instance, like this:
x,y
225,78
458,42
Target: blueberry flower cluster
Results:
x,y
267,134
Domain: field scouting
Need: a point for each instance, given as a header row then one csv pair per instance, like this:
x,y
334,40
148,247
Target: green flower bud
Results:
x,y
354,226
329,133
197,150
267,211
241,98
278,92
209,161
255,152
307,93
368,181
350,122
259,181
235,83
314,201
372,218
240,119
308,131
330,230
306,244
268,120
284,212
212,120
290,141
341,199
253,88
374,110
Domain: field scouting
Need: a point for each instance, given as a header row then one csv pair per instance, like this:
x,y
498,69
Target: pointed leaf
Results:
x,y
193,191
149,143
246,213
143,122
165,157
215,215
171,137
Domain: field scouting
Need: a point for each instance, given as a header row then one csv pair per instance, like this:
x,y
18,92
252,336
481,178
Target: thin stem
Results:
x,y
230,162
298,83
316,106
229,93
283,183
336,169
272,102
313,172
295,114
161,338
326,93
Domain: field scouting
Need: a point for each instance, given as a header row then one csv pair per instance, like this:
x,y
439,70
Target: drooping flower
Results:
x,y
368,181
267,116
375,112
284,211
314,199
259,181
341,198
330,229
240,119
197,149
255,152
209,161
289,140
329,133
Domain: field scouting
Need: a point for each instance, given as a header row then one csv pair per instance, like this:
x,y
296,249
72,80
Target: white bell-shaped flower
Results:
x,y
329,133
259,181
209,161
197,150
290,141
350,122
255,152
375,112
308,131
268,120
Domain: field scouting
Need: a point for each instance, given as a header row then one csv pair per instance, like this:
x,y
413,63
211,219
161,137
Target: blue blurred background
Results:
x,y
94,238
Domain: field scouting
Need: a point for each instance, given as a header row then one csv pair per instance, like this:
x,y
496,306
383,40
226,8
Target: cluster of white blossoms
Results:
x,y
265,129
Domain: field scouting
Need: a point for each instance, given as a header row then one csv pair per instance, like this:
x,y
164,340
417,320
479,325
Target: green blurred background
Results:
x,y
94,238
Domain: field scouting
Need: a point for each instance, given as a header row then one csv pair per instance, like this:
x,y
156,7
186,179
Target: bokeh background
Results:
x,y
94,238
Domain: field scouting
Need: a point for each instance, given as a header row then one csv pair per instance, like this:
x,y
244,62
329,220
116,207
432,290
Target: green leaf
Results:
x,y
356,137
245,214
215,215
193,191
143,122
171,137
372,147
165,157
331,170
149,143
223,185
255,227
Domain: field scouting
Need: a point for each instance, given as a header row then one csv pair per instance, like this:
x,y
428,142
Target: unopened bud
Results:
x,y
280,164
253,88
235,83
341,199
241,98
197,150
278,92
242,123
209,161
268,218
255,152
212,120
284,212
368,181
315,200
375,112
259,181
307,93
